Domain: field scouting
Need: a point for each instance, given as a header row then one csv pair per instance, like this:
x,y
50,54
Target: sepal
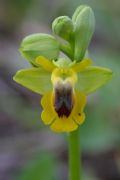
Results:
x,y
36,79
39,44
92,78
84,23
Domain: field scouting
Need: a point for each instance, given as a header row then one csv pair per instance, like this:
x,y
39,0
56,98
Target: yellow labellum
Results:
x,y
63,123
63,106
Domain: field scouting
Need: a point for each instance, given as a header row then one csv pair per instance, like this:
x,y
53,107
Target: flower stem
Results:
x,y
66,49
74,156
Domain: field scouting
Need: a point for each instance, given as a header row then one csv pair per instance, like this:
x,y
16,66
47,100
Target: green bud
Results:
x,y
77,12
39,45
63,27
84,23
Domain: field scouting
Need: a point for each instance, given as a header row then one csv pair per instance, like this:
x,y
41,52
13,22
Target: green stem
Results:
x,y
74,156
66,49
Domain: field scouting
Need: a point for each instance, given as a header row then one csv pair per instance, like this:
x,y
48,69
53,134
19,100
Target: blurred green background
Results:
x,y
28,150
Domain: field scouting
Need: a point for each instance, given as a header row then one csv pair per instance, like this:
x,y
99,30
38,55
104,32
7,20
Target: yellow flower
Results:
x,y
64,85
63,105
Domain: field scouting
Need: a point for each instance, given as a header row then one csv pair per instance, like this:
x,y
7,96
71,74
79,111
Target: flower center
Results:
x,y
63,98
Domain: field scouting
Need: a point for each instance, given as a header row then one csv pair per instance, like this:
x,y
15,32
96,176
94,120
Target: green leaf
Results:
x,y
92,78
42,167
36,79
84,23
39,45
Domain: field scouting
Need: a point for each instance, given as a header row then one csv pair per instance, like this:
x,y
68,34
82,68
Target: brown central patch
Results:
x,y
63,102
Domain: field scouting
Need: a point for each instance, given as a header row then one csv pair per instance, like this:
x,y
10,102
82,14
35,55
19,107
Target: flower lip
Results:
x,y
63,99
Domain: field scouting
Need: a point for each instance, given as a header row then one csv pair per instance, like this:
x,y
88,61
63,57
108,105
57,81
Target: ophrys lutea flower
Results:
x,y
64,85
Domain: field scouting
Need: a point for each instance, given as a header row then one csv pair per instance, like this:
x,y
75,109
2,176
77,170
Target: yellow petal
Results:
x,y
48,114
64,125
82,65
45,63
79,118
80,101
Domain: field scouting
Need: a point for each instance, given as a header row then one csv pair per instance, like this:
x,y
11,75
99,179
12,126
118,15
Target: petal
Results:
x,y
92,78
82,65
77,113
48,115
64,125
79,118
81,101
45,63
36,79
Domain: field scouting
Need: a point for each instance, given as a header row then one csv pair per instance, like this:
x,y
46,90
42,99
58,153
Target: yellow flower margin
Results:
x,y
63,75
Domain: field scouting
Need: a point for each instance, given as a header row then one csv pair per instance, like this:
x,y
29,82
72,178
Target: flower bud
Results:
x,y
63,27
77,12
39,44
84,23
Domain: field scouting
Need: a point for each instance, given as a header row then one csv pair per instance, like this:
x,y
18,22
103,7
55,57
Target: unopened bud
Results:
x,y
63,27
39,45
84,23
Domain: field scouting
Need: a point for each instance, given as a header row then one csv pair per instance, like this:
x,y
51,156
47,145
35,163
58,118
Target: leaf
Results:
x,y
36,79
92,78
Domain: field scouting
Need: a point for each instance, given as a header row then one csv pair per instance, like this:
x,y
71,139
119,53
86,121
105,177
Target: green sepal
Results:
x,y
39,45
84,23
92,78
36,79
63,27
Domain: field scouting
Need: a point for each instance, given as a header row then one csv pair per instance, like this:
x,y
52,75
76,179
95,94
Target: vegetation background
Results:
x,y
28,150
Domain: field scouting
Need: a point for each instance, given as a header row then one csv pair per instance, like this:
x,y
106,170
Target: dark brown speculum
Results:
x,y
63,101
